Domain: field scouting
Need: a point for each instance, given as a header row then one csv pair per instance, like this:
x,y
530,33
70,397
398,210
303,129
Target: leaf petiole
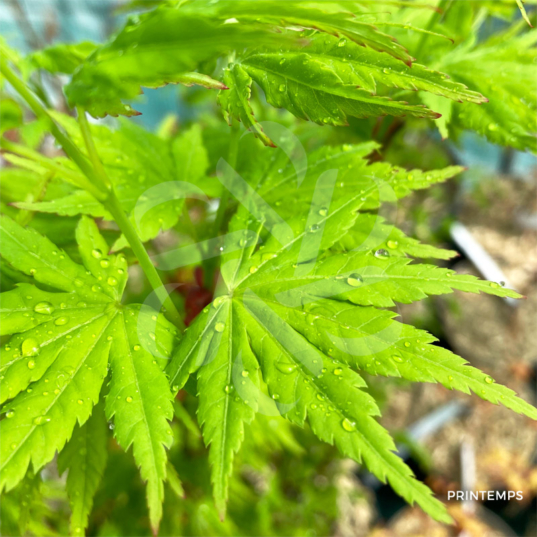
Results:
x,y
104,192
114,207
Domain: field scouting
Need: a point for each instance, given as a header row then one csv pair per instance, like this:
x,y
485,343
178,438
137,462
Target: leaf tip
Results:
x,y
221,508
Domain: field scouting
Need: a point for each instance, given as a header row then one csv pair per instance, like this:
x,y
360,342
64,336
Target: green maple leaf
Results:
x,y
157,48
335,75
503,69
62,58
85,457
329,80
146,172
235,102
297,322
63,344
520,5
330,19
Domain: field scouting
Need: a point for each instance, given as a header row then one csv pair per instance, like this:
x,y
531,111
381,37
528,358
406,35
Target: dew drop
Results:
x,y
218,301
382,253
80,402
128,399
78,283
111,281
245,373
97,254
45,308
338,371
30,347
489,380
494,285
219,327
60,321
397,358
275,396
355,280
10,414
281,88
348,425
285,368
253,269
314,228
323,211
136,347
392,244
407,344
342,42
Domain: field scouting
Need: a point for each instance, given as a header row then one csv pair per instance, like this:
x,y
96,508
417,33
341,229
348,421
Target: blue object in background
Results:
x,y
27,23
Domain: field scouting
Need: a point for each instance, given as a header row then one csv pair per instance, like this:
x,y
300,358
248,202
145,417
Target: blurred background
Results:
x,y
296,485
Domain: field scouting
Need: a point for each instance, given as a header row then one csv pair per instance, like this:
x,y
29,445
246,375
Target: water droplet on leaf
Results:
x,y
355,280
30,347
285,368
45,308
348,425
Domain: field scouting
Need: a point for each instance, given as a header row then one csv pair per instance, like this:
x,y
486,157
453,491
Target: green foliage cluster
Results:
x,y
306,269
